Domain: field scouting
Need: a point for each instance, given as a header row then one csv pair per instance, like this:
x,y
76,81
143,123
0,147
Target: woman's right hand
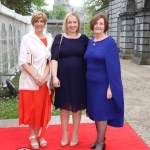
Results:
x,y
56,82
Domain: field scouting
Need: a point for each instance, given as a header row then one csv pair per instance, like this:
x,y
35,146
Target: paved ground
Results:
x,y
54,120
136,82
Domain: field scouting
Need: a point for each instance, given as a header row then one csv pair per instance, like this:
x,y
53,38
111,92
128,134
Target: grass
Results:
x,y
9,109
9,104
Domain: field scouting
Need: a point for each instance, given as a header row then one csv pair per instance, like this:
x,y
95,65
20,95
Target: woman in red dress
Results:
x,y
34,92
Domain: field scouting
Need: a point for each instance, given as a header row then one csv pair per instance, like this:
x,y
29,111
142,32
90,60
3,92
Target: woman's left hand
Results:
x,y
109,93
41,80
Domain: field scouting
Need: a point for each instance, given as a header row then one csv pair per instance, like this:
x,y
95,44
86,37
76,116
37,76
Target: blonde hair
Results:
x,y
64,27
38,15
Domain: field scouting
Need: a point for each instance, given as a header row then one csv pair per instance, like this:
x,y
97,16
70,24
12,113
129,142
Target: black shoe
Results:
x,y
94,144
102,145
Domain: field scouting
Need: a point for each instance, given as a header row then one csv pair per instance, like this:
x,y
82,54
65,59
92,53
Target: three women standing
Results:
x,y
68,74
104,86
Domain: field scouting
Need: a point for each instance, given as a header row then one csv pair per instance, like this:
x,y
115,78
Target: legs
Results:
x,y
33,138
94,144
34,134
42,141
76,117
64,118
101,127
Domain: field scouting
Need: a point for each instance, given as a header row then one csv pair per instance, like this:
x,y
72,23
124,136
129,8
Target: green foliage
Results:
x,y
89,32
9,108
91,6
46,12
24,7
58,12
4,92
38,4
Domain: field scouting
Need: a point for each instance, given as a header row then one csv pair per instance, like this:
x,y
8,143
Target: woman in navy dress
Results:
x,y
69,75
105,101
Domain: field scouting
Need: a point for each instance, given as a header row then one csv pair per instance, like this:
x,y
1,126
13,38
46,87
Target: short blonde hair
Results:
x,y
64,27
96,18
38,15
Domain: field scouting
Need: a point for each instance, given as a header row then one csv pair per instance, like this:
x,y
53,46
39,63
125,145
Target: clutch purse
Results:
x,y
29,59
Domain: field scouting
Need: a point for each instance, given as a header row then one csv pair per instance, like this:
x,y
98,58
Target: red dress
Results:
x,y
35,106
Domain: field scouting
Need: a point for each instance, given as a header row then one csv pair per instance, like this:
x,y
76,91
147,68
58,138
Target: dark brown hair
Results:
x,y
96,18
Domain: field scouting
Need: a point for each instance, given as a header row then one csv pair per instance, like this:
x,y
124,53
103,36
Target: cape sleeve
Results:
x,y
114,76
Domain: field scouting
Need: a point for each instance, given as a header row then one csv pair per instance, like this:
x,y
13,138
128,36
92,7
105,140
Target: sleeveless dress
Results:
x,y
71,95
103,68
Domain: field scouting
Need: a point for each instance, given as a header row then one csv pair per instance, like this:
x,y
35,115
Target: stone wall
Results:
x,y
130,27
141,53
12,27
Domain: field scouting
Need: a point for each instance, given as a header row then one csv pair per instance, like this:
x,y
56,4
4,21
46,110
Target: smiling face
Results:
x,y
39,25
72,24
99,27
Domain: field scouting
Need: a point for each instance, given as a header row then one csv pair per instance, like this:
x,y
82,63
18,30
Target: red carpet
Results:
x,y
116,138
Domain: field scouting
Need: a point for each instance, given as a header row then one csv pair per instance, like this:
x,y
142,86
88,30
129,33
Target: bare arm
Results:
x,y
54,67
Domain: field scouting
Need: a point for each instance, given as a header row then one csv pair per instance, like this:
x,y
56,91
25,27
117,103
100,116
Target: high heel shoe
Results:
x,y
94,144
64,143
42,142
74,143
34,145
102,146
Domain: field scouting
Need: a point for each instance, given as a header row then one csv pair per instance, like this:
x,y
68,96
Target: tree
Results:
x,y
91,6
46,12
39,5
58,12
24,7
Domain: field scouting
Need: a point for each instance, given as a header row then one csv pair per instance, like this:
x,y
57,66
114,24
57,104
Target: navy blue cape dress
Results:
x,y
103,68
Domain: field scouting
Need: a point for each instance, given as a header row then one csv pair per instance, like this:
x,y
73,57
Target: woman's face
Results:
x,y
72,24
39,25
99,27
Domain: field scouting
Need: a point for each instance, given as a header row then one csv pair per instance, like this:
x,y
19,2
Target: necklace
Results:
x,y
95,40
